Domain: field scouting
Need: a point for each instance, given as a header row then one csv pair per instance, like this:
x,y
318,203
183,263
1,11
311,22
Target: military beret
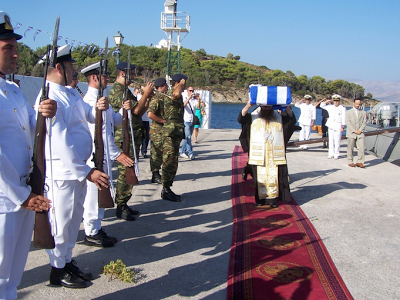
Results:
x,y
160,82
124,65
6,29
179,77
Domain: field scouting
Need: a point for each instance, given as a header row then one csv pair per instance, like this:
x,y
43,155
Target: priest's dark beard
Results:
x,y
267,115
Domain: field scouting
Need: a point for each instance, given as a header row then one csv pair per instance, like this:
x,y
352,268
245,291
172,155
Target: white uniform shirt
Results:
x,y
337,116
187,112
113,119
308,113
71,141
17,127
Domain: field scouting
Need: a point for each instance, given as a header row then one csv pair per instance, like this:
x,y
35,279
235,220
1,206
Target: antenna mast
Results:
x,y
172,22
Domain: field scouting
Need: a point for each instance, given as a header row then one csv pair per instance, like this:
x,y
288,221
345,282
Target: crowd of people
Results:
x,y
272,127
72,179
334,120
155,113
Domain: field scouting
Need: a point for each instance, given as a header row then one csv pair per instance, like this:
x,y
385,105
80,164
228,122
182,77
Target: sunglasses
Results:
x,y
190,90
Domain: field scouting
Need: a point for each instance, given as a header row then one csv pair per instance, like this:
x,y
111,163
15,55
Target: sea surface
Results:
x,y
224,115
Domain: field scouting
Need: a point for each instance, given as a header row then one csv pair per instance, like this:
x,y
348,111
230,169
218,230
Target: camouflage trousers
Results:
x,y
124,190
156,151
170,160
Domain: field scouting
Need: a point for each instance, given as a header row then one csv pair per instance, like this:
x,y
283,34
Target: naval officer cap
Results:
x,y
92,69
178,77
159,82
124,65
6,29
336,97
307,97
63,54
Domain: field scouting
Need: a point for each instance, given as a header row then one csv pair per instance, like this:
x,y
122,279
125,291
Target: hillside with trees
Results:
x,y
218,74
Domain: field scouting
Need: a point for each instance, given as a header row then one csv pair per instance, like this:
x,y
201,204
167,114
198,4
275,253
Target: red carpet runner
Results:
x,y
276,253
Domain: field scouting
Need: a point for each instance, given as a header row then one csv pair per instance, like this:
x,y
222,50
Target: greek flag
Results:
x,y
270,95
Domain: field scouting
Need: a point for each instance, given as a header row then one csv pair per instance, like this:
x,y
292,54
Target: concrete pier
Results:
x,y
181,250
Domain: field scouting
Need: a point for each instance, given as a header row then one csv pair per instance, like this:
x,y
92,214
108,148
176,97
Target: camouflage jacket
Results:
x,y
173,115
115,97
156,106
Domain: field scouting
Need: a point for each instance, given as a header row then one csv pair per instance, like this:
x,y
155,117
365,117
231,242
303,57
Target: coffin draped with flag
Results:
x,y
277,96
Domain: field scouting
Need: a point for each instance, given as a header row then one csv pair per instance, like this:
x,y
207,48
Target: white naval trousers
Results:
x,y
15,239
92,214
305,133
334,142
69,196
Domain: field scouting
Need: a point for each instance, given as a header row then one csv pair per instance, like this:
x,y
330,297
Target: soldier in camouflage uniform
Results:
x,y
116,95
156,114
172,132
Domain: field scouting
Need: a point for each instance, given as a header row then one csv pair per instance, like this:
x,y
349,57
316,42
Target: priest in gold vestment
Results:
x,y
265,133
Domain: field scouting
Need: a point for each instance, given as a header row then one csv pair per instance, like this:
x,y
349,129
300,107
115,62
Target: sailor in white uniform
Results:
x,y
17,202
71,148
95,235
307,118
335,123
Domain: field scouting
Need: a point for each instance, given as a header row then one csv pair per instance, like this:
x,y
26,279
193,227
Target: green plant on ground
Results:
x,y
118,270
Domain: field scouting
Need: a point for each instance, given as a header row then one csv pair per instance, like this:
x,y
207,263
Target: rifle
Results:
x,y
79,91
42,237
104,196
130,175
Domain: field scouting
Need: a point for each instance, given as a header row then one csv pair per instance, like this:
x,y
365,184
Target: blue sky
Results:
x,y
334,39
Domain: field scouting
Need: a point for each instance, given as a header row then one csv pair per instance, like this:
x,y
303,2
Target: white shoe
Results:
x,y
329,157
191,157
183,155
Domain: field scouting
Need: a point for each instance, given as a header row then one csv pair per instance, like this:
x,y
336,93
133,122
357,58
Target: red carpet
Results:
x,y
276,253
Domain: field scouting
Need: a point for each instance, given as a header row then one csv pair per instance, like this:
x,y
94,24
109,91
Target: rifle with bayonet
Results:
x,y
104,196
42,237
130,175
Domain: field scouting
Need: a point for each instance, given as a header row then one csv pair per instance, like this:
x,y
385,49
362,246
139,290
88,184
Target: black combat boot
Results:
x,y
169,195
122,212
156,178
65,278
72,268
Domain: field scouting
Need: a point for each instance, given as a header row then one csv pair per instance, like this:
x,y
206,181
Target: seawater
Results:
x,y
224,115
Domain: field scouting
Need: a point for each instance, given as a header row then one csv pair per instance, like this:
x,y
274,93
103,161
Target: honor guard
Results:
x,y
92,215
156,114
172,133
307,118
116,95
71,147
17,202
335,123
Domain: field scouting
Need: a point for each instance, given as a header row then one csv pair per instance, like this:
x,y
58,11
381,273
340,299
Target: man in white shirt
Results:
x,y
336,123
17,202
95,235
71,147
307,118
189,108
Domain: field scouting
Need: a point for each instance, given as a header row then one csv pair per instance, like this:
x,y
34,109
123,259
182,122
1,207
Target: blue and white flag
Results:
x,y
270,95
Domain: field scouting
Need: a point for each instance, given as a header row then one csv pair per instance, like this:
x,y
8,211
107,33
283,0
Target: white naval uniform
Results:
x,y
337,119
92,214
308,113
17,127
71,147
